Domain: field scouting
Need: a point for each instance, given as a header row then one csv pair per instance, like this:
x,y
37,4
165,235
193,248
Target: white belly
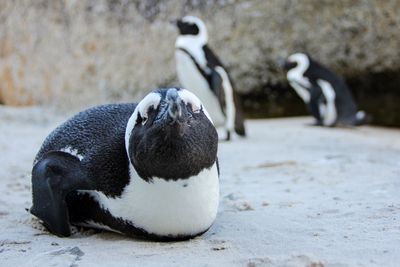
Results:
x,y
330,114
191,79
183,207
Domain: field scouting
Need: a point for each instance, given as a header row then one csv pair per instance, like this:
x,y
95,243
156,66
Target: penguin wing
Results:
x,y
212,77
54,176
212,59
216,82
316,97
215,79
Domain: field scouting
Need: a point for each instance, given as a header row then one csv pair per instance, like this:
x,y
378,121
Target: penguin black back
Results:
x,y
343,98
80,135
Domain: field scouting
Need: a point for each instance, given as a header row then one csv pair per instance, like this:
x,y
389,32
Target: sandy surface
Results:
x,y
291,195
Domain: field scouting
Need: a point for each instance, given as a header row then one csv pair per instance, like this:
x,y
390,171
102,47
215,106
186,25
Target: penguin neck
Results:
x,y
194,46
187,40
297,73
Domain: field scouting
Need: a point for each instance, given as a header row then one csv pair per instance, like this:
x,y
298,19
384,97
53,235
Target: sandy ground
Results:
x,y
291,195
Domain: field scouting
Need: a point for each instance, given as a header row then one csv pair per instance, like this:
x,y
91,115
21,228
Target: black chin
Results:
x,y
289,65
174,149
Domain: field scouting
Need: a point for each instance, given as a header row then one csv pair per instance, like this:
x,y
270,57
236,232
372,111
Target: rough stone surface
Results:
x,y
291,195
74,53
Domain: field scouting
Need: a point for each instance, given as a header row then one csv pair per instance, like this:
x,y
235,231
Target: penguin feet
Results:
x,y
228,135
361,118
315,123
54,176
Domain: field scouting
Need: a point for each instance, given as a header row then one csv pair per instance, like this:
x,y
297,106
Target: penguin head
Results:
x,y
296,60
191,26
171,136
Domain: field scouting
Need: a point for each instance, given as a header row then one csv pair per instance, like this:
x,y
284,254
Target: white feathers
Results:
x,y
230,104
330,113
182,207
72,151
152,99
197,106
194,43
360,115
296,77
302,85
202,35
190,77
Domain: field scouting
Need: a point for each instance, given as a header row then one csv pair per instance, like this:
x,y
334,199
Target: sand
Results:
x,y
291,195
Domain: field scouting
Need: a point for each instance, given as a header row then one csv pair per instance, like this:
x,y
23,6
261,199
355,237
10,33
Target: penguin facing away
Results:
x,y
327,96
201,71
148,169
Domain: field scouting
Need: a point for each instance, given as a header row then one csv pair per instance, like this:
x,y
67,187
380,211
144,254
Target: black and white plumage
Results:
x,y
327,96
149,169
201,71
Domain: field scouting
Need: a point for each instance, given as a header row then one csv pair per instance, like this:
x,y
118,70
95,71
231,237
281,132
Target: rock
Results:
x,y
74,54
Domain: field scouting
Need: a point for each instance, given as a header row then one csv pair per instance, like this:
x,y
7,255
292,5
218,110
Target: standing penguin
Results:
x,y
327,96
200,71
149,169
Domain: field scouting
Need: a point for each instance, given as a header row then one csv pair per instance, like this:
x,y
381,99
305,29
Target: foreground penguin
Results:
x,y
142,170
200,71
327,96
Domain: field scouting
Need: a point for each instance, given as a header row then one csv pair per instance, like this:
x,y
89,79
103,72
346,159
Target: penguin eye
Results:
x,y
194,108
141,119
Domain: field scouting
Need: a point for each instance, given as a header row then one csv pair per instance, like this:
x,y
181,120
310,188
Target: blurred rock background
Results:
x,y
73,54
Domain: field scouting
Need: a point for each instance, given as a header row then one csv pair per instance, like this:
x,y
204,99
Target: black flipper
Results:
x,y
54,176
218,90
239,116
316,97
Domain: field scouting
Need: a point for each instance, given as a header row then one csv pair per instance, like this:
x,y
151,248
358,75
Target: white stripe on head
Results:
x,y
151,100
296,78
330,115
202,35
190,98
301,59
297,73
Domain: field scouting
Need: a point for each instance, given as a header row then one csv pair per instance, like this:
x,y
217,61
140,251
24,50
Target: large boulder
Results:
x,y
76,53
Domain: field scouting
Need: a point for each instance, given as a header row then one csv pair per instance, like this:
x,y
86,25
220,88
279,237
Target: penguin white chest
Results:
x,y
182,207
191,79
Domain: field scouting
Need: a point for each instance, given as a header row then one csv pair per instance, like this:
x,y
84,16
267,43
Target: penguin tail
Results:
x,y
361,118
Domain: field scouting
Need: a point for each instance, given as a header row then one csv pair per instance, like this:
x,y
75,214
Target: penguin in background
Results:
x,y
144,170
200,71
326,95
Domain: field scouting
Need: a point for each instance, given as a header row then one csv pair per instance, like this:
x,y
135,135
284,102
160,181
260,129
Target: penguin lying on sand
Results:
x,y
148,169
200,71
327,96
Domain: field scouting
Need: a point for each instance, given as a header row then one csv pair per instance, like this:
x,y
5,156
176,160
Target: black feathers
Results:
x,y
186,28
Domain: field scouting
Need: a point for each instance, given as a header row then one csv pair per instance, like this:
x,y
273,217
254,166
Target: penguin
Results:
x,y
326,95
147,170
201,71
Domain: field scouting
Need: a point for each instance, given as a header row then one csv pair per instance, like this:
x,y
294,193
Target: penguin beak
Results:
x,y
175,110
286,64
280,62
172,109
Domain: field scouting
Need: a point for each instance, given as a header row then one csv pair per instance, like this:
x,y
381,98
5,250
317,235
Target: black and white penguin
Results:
x,y
148,170
327,96
201,71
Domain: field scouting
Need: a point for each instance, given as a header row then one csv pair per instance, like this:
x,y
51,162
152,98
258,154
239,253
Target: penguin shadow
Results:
x,y
337,126
271,164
